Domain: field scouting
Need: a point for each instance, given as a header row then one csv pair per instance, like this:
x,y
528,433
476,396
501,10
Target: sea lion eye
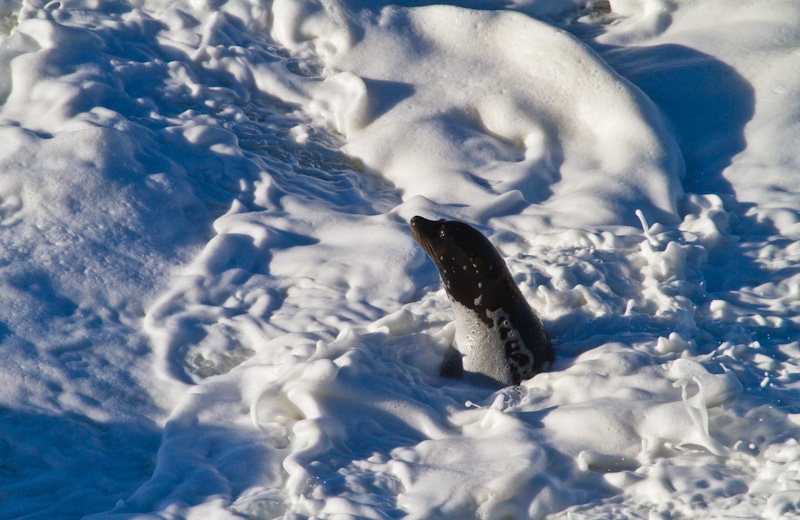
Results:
x,y
445,232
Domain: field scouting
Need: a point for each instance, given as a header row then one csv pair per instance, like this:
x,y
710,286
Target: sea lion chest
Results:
x,y
483,345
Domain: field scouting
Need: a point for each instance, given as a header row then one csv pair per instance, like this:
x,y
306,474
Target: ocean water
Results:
x,y
211,306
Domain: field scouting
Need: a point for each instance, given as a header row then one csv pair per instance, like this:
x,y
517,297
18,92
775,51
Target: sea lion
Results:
x,y
499,339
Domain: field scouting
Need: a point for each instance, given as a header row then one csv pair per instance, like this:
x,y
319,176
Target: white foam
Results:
x,y
212,306
455,104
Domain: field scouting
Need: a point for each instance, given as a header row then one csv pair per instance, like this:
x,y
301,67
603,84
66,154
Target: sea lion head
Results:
x,y
469,265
